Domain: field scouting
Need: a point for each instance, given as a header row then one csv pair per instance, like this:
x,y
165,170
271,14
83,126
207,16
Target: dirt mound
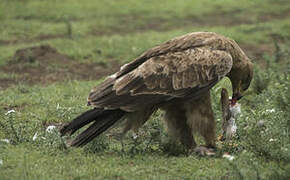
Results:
x,y
44,65
32,54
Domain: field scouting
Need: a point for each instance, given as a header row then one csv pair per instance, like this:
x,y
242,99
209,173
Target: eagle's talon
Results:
x,y
204,151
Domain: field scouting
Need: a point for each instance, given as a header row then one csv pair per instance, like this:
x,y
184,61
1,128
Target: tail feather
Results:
x,y
97,128
80,121
104,119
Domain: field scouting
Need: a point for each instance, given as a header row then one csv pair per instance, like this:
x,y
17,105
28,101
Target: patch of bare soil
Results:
x,y
44,65
162,25
219,18
41,37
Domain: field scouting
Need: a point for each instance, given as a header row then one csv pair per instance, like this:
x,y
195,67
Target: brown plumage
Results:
x,y
175,76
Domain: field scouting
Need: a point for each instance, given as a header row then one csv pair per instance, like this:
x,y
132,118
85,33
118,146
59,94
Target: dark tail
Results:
x,y
103,119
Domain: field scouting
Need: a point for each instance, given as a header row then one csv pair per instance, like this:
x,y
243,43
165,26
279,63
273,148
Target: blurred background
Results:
x,y
97,36
52,52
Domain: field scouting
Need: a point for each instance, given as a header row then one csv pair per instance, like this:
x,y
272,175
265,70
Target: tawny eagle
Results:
x,y
175,76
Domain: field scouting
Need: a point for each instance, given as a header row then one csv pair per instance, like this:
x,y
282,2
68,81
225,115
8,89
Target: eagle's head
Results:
x,y
241,76
241,73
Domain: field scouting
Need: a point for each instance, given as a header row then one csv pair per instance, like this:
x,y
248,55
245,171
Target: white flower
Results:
x,y
272,140
10,111
5,140
1,162
229,157
50,129
284,149
135,136
270,110
35,136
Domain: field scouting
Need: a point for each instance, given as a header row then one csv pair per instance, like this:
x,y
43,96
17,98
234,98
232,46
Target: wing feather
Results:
x,y
180,68
181,43
173,73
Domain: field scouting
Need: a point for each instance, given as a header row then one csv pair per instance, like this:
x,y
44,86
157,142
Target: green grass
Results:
x,y
124,48
76,164
120,31
25,21
47,159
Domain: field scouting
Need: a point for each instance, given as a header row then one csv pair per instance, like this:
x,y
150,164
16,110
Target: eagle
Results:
x,y
176,77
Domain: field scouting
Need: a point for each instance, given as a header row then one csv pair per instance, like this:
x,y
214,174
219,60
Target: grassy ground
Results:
x,y
89,39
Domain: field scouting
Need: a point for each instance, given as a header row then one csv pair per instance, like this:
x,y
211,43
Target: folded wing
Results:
x,y
162,78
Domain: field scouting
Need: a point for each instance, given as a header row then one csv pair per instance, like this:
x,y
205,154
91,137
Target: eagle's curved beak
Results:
x,y
238,92
235,98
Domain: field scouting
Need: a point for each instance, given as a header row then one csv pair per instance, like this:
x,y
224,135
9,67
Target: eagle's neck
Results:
x,y
240,59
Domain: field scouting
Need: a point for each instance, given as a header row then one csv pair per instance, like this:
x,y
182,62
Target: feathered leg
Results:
x,y
177,126
200,117
135,120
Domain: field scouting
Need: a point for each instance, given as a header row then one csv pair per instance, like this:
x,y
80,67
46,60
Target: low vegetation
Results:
x,y
90,39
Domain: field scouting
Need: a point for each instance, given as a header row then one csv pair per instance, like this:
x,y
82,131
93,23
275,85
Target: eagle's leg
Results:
x,y
178,128
134,120
200,117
